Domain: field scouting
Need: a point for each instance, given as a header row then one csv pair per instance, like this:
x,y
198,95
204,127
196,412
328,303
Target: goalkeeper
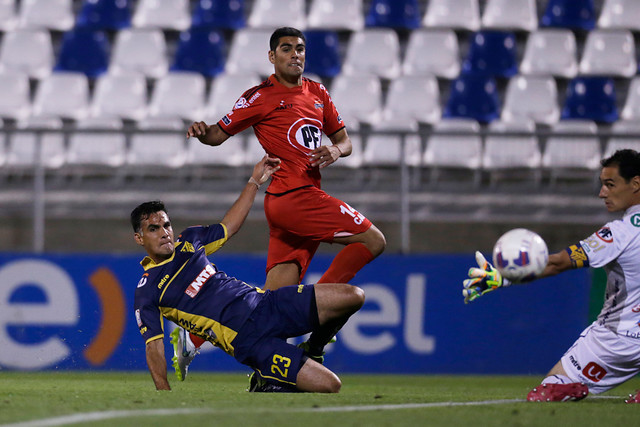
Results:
x,y
607,353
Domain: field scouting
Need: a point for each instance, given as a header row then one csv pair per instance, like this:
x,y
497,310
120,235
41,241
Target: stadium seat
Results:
x,y
253,149
620,14
591,98
230,153
84,50
8,15
610,53
551,52
336,15
46,14
154,151
510,15
179,94
96,149
625,134
411,100
492,53
373,51
572,156
455,14
531,97
249,53
105,14
323,53
631,109
574,14
27,51
140,51
358,99
432,52
386,150
511,154
473,96
461,151
162,14
218,14
272,14
403,14
22,146
123,96
225,91
355,159
15,102
200,50
64,95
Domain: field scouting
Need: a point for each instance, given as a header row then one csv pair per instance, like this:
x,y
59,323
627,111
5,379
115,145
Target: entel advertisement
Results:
x,y
75,312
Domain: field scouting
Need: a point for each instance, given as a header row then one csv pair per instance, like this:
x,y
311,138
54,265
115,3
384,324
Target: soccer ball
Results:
x,y
520,255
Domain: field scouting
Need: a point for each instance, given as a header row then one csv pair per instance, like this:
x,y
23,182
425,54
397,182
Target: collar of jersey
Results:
x,y
275,81
633,209
148,263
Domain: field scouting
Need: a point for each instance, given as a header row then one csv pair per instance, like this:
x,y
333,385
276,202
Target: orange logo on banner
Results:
x,y
112,325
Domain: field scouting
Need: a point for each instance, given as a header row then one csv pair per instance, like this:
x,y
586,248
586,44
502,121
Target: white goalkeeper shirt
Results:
x,y
616,247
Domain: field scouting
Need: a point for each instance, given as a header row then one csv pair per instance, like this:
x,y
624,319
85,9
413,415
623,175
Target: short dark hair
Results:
x,y
628,162
142,212
285,32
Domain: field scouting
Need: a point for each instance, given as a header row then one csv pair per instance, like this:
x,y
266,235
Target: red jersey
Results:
x,y
289,123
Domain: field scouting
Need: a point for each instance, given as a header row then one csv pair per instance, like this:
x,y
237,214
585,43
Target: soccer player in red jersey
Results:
x,y
289,113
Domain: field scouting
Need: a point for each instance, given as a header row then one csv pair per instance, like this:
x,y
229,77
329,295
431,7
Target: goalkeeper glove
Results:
x,y
482,280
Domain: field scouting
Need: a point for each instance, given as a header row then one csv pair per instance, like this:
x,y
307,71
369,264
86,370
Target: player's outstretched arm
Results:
x,y
235,216
207,134
157,364
481,280
325,155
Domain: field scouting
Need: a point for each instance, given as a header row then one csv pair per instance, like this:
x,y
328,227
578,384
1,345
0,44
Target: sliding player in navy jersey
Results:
x,y
248,323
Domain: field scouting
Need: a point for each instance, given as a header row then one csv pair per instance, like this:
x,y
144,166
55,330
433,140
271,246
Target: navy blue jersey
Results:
x,y
189,290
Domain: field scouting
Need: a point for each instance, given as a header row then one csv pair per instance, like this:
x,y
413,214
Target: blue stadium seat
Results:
x,y
574,14
227,14
323,56
394,14
492,53
201,50
105,14
84,50
591,98
473,96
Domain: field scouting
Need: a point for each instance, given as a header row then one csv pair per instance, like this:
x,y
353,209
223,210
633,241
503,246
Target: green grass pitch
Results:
x,y
129,399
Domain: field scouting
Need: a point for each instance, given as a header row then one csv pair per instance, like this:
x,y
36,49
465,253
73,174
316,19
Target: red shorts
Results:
x,y
300,220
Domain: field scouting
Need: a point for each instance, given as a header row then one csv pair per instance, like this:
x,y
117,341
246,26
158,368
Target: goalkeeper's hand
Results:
x,y
482,280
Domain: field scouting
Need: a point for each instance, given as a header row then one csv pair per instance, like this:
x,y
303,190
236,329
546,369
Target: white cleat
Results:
x,y
184,351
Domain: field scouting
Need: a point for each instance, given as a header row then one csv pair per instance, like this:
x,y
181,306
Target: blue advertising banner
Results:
x,y
75,312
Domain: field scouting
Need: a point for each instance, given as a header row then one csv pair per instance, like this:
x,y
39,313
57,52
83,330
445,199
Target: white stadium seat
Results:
x,y
22,146
551,52
336,15
27,51
225,91
249,53
64,95
48,14
123,96
620,14
411,100
510,15
358,99
8,15
155,150
456,14
277,13
15,102
531,97
162,14
95,148
373,51
609,52
432,52
141,51
178,94
626,134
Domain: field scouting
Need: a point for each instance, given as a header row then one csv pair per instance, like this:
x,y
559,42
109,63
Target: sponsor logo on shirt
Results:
x,y
319,105
635,220
143,280
283,106
305,133
138,318
605,235
594,372
226,120
195,286
240,103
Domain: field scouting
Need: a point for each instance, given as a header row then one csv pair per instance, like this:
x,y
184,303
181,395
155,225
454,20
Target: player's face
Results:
x,y
156,236
617,193
288,58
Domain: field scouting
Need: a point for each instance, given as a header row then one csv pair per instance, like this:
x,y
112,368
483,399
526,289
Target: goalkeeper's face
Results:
x,y
156,236
618,194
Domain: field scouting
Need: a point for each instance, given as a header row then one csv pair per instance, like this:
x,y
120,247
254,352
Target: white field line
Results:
x,y
107,415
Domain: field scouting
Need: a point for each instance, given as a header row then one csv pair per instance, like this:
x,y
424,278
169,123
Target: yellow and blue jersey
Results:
x,y
190,291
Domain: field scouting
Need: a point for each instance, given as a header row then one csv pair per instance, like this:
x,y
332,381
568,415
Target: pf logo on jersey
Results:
x,y
305,134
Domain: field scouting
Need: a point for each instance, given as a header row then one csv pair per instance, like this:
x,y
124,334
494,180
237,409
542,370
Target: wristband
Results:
x,y
253,181
339,150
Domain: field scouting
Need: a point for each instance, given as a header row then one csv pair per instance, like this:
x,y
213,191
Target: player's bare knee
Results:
x,y
333,385
377,242
357,295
